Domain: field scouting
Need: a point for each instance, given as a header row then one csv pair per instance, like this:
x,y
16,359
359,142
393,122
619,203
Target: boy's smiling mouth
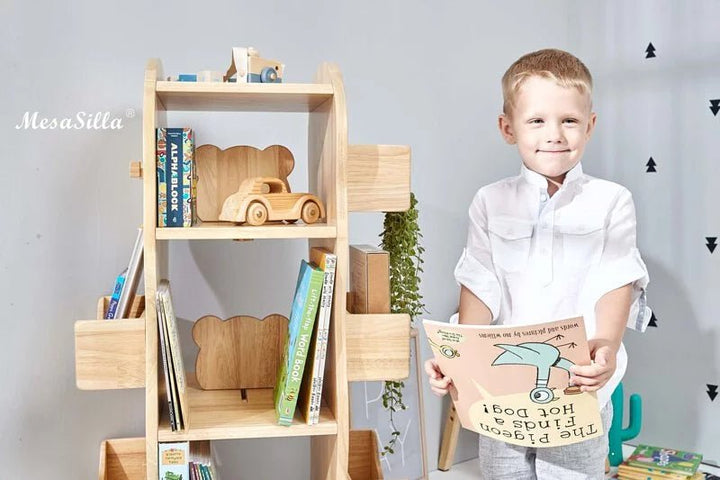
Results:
x,y
553,151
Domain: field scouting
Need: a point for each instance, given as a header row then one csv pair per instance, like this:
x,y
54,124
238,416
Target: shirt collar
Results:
x,y
535,178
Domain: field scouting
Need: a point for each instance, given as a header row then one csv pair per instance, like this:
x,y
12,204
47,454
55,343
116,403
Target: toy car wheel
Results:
x,y
268,75
257,214
310,212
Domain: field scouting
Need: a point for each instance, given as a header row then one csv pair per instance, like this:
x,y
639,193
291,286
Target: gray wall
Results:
x,y
420,73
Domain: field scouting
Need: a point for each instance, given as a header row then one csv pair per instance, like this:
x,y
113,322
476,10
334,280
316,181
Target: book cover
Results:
x,y
173,461
115,298
162,344
297,341
666,460
176,177
175,352
511,383
161,168
134,271
311,390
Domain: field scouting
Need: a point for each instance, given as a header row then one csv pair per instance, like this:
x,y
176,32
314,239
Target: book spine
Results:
x,y
188,180
174,176
165,361
330,261
161,167
175,352
115,298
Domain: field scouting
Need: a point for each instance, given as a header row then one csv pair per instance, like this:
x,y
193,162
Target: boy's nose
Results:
x,y
554,134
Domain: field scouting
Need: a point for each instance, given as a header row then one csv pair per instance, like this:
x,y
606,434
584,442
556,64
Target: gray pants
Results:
x,y
580,461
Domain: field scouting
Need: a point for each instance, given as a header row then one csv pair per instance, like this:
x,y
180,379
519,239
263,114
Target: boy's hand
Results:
x,y
439,383
593,377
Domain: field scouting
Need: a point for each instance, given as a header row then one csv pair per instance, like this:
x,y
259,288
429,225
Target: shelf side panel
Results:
x,y
327,156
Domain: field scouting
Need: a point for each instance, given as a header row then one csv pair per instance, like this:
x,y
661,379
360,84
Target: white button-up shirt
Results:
x,y
533,258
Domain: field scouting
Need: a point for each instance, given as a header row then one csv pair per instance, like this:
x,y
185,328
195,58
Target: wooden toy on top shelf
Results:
x,y
262,199
246,66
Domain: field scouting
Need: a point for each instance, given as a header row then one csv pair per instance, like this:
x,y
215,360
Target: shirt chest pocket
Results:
x,y
510,241
582,241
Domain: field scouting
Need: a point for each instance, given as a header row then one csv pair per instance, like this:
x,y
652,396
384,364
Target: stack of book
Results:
x,y
185,460
172,362
655,463
305,338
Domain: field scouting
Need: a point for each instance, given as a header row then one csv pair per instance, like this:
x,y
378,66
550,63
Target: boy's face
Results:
x,y
550,125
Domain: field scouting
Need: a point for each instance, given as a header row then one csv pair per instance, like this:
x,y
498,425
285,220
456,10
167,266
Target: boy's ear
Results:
x,y
506,129
591,125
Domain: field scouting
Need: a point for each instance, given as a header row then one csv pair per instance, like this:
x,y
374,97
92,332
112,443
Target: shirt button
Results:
x,y
543,197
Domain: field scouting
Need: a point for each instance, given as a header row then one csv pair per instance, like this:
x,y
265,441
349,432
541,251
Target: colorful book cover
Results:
x,y
161,167
511,383
189,191
176,177
297,341
666,460
115,298
173,461
644,473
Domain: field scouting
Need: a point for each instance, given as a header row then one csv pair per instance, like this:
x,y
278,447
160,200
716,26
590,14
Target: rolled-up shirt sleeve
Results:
x,y
475,268
620,264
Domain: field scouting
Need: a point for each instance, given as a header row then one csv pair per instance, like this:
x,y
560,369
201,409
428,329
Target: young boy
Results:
x,y
549,244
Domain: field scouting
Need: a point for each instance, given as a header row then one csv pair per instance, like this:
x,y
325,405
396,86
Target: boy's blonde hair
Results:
x,y
562,67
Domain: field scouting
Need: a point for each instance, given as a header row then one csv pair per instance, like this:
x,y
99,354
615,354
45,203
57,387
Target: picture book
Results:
x,y
134,271
628,472
115,298
173,342
297,341
170,392
176,177
665,460
173,461
311,390
511,383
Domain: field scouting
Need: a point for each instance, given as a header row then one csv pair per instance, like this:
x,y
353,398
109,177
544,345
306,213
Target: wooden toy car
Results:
x,y
262,199
246,66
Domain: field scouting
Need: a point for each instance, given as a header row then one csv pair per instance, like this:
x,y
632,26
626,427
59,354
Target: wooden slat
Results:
x,y
227,231
378,178
378,346
364,463
122,459
327,157
110,354
249,97
223,414
449,440
153,117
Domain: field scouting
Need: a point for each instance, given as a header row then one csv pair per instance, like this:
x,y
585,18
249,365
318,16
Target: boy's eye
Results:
x,y
571,120
535,120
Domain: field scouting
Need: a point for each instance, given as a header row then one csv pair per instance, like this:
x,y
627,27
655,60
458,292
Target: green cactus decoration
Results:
x,y
618,434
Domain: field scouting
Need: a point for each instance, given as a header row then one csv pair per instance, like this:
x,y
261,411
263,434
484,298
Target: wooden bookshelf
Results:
x,y
347,178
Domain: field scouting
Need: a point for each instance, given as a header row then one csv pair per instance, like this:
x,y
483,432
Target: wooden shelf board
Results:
x,y
223,414
249,97
224,230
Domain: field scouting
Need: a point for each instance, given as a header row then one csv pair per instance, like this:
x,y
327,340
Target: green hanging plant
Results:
x,y
401,238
